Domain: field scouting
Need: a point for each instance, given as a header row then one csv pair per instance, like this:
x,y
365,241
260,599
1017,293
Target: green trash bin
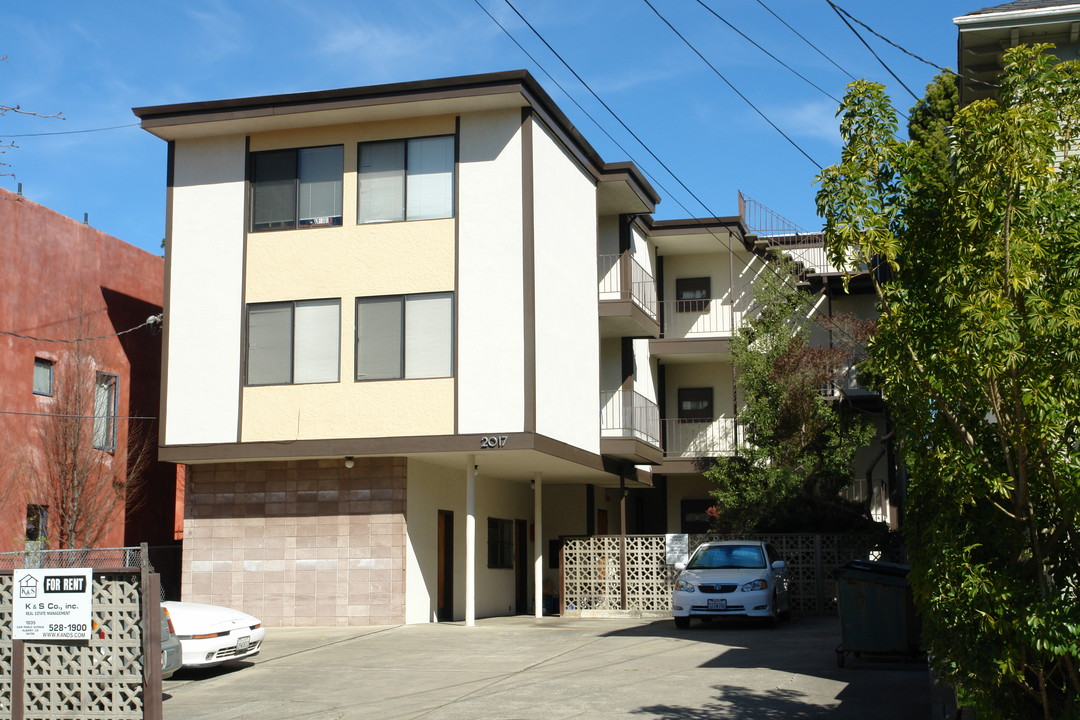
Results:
x,y
877,615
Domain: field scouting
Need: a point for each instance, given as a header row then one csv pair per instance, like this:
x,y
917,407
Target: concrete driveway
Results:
x,y
520,667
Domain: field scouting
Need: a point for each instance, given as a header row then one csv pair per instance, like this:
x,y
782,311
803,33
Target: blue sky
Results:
x,y
93,62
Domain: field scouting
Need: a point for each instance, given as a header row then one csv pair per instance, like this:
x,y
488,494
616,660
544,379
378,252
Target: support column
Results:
x,y
470,541
538,546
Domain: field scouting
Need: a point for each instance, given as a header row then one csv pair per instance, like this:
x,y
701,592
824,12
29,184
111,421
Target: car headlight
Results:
x,y
761,584
684,586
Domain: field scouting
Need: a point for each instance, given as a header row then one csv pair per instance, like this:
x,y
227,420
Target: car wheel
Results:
x,y
682,623
774,613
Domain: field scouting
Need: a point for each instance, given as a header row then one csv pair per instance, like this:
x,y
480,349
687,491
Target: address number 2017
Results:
x,y
492,441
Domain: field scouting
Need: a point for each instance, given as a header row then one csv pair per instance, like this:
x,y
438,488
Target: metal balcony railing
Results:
x,y
629,414
622,278
699,438
705,317
846,381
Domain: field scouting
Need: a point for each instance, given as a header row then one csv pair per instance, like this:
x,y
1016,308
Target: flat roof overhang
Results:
x,y
512,456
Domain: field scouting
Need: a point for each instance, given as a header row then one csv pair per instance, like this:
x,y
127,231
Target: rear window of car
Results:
x,y
727,556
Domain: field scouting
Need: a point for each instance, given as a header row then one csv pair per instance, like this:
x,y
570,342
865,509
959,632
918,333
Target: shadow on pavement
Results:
x,y
804,647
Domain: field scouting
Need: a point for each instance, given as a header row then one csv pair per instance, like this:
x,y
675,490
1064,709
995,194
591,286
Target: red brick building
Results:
x,y
64,280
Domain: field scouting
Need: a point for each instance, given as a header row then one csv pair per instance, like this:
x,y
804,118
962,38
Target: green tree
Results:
x,y
976,351
797,448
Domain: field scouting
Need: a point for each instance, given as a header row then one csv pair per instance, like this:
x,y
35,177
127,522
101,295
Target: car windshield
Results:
x,y
717,557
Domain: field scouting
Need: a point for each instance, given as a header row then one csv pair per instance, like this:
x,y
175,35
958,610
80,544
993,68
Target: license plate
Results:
x,y
717,604
242,643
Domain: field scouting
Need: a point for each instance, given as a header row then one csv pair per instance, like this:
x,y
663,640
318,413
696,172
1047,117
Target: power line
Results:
x,y
904,50
80,417
72,132
801,37
152,320
759,47
771,266
841,15
733,88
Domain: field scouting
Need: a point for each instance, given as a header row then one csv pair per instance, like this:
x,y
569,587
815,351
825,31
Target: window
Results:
x,y
296,188
43,376
37,522
106,404
293,342
406,180
404,336
500,543
696,404
692,294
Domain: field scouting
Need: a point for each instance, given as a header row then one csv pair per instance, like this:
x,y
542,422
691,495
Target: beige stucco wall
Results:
x,y
432,488
348,262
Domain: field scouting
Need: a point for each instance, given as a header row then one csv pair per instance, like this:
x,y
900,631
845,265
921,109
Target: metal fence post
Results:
x,y
819,576
18,678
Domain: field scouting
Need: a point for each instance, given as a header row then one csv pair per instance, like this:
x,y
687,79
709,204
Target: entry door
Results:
x,y
444,610
521,564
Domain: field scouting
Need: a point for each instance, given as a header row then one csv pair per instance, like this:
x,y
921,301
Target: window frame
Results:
x,y
403,350
51,367
693,294
106,428
335,221
292,305
696,394
37,519
405,178
500,543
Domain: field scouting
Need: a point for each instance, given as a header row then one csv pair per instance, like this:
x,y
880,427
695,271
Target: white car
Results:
x,y
211,634
731,578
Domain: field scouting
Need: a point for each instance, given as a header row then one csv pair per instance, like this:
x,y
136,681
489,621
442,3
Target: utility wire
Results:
x,y
904,50
152,320
841,15
759,47
80,417
809,303
801,37
733,88
72,132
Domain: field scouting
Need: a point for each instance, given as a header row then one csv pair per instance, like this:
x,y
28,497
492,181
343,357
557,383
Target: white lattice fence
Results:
x,y
592,583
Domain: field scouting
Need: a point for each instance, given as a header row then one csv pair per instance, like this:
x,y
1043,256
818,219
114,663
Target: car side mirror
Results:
x,y
680,566
778,565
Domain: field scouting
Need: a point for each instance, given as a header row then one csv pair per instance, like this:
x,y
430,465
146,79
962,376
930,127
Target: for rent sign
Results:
x,y
52,604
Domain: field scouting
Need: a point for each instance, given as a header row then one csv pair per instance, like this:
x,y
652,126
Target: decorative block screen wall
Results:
x,y
80,680
592,578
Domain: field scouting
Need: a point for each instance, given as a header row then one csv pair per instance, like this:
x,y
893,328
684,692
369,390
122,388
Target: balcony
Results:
x,y
701,327
687,441
627,294
630,427
848,386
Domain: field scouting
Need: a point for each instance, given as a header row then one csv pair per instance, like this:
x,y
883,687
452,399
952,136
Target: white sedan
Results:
x,y
731,577
211,634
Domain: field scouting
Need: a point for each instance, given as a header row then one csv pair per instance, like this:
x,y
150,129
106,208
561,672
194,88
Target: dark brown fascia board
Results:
x,y
389,92
695,226
372,447
629,173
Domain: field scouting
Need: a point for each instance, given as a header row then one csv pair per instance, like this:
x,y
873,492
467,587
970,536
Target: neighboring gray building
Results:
x,y
986,34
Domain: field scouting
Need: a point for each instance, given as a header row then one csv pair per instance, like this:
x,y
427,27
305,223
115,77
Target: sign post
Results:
x,y
52,604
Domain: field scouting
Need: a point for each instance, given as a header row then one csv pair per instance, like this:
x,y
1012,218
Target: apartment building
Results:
x,y
417,333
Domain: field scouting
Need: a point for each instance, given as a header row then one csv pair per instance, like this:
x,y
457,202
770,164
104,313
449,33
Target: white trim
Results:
x,y
1004,17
